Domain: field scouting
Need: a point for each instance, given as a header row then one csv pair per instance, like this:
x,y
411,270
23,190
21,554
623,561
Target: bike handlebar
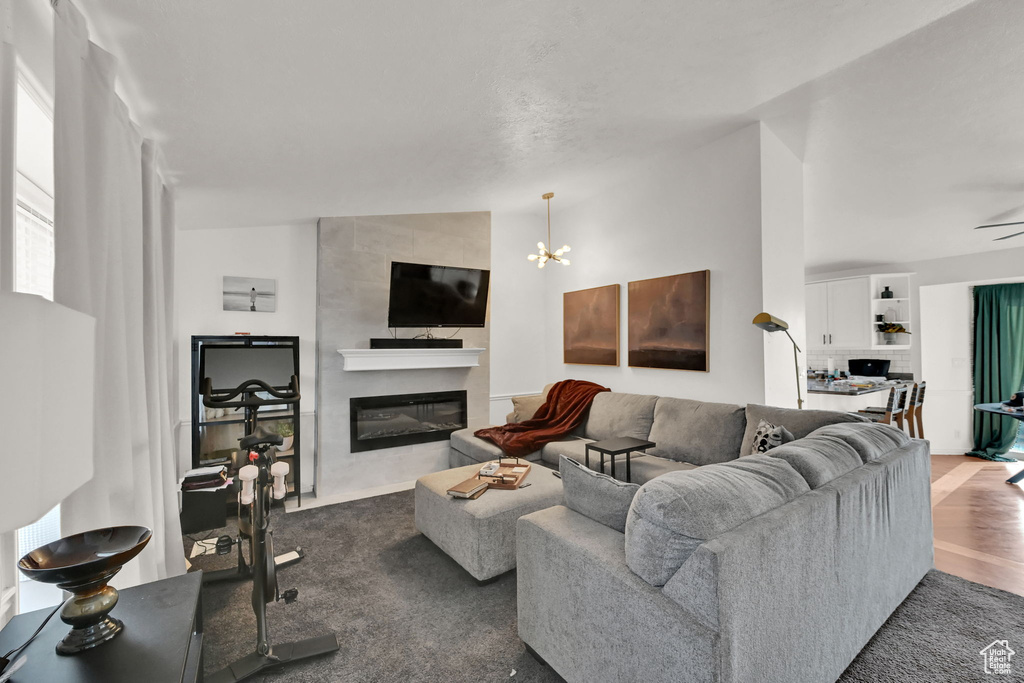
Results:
x,y
223,399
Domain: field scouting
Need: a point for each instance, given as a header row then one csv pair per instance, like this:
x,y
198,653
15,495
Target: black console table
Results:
x,y
162,641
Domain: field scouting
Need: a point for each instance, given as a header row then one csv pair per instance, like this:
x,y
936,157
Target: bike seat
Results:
x,y
248,443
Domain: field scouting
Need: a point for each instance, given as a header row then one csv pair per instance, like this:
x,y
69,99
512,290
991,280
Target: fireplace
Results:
x,y
404,419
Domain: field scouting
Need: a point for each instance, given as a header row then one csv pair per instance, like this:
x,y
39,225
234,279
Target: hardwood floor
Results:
x,y
979,520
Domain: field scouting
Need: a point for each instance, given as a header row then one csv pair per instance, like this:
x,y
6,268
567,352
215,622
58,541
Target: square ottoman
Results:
x,y
480,534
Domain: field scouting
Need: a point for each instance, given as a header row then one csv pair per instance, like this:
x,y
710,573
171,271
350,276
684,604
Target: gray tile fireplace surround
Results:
x,y
354,256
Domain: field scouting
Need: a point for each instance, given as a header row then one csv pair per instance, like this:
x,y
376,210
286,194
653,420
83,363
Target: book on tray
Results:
x,y
471,488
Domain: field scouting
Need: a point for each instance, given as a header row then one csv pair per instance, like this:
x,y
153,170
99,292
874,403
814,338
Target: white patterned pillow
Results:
x,y
768,436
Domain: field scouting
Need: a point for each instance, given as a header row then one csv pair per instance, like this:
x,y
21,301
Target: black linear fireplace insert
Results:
x,y
404,419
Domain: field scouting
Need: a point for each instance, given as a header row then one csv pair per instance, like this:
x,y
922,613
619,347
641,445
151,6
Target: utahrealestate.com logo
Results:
x,y
997,657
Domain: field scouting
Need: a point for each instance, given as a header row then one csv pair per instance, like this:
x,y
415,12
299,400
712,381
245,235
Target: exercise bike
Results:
x,y
263,481
251,402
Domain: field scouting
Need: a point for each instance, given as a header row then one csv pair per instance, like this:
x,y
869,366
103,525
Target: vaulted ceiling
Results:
x,y
271,112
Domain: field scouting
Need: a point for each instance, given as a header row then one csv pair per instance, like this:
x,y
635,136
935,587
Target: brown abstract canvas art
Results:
x,y
668,322
590,327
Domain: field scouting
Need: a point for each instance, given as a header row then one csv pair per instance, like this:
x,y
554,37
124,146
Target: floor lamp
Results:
x,y
769,323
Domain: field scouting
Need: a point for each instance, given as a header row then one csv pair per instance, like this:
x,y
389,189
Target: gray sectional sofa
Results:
x,y
717,564
770,568
688,433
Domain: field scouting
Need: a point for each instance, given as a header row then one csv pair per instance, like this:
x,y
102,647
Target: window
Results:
x,y
33,240
33,236
34,263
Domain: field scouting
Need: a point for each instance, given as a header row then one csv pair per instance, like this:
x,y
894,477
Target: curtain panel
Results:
x,y
998,364
114,250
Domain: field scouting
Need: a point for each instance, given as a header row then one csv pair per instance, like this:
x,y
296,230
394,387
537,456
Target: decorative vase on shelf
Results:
x,y
890,315
887,294
890,338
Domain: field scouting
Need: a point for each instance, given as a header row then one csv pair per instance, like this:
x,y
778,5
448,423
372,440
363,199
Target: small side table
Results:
x,y
997,409
162,641
623,445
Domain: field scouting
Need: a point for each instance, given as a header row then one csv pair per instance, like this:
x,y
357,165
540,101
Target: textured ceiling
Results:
x,y
272,112
910,147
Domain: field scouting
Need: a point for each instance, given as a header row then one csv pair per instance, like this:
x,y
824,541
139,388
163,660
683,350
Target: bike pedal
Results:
x,y
224,544
290,595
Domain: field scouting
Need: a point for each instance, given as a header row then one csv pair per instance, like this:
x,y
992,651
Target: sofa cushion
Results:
x,y
673,514
596,495
477,449
613,414
799,422
768,436
643,468
574,448
871,441
819,459
697,432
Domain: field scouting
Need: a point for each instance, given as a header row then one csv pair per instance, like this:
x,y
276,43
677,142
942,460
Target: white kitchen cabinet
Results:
x,y
836,311
816,301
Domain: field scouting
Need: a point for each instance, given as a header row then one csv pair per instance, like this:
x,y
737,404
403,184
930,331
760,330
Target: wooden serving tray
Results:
x,y
504,478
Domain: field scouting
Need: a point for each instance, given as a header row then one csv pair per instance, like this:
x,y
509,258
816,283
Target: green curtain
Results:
x,y
998,364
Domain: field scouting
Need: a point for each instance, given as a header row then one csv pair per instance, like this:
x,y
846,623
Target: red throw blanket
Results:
x,y
567,403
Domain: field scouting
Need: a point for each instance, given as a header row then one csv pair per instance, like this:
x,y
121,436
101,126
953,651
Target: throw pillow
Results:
x,y
525,407
767,436
799,422
596,495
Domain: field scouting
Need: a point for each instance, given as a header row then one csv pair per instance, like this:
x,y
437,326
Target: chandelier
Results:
x,y
543,255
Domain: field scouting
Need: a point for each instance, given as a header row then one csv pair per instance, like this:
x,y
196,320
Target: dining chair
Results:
x,y
895,408
915,407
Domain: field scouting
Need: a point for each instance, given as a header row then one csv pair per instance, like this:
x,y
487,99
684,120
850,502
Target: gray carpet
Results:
x,y
404,611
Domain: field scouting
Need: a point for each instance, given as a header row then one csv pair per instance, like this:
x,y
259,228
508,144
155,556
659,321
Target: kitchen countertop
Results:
x,y
842,388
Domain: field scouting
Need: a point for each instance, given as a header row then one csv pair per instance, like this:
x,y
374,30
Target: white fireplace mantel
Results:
x,y
409,359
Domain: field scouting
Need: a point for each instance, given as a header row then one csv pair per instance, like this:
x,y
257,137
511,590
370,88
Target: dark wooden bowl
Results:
x,y
82,564
84,558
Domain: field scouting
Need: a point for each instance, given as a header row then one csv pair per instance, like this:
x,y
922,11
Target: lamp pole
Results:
x,y
796,367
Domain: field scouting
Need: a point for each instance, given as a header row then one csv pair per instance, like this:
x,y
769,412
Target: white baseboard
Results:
x,y
509,397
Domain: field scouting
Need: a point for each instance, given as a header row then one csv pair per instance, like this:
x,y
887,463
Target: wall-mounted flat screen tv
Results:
x,y
437,296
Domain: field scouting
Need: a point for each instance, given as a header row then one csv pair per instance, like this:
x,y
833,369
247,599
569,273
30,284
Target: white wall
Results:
x,y
284,253
782,259
946,360
517,310
675,214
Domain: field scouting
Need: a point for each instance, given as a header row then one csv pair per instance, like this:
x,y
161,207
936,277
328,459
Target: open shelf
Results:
x,y
899,307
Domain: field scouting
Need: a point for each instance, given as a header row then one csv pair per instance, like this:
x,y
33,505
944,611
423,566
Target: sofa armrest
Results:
x,y
590,617
775,584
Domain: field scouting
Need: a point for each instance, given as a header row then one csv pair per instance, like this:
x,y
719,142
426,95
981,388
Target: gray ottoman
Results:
x,y
480,534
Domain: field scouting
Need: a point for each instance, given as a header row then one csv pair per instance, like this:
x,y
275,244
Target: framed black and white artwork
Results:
x,y
250,294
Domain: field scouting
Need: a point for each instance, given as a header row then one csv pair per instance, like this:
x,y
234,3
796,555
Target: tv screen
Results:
x,y
437,296
229,365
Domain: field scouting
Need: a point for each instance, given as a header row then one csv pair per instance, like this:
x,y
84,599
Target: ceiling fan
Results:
x,y
1001,225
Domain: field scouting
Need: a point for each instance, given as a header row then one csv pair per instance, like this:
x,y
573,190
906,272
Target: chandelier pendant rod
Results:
x,y
549,223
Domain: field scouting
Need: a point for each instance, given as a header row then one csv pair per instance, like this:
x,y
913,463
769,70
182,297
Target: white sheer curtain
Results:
x,y
113,262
